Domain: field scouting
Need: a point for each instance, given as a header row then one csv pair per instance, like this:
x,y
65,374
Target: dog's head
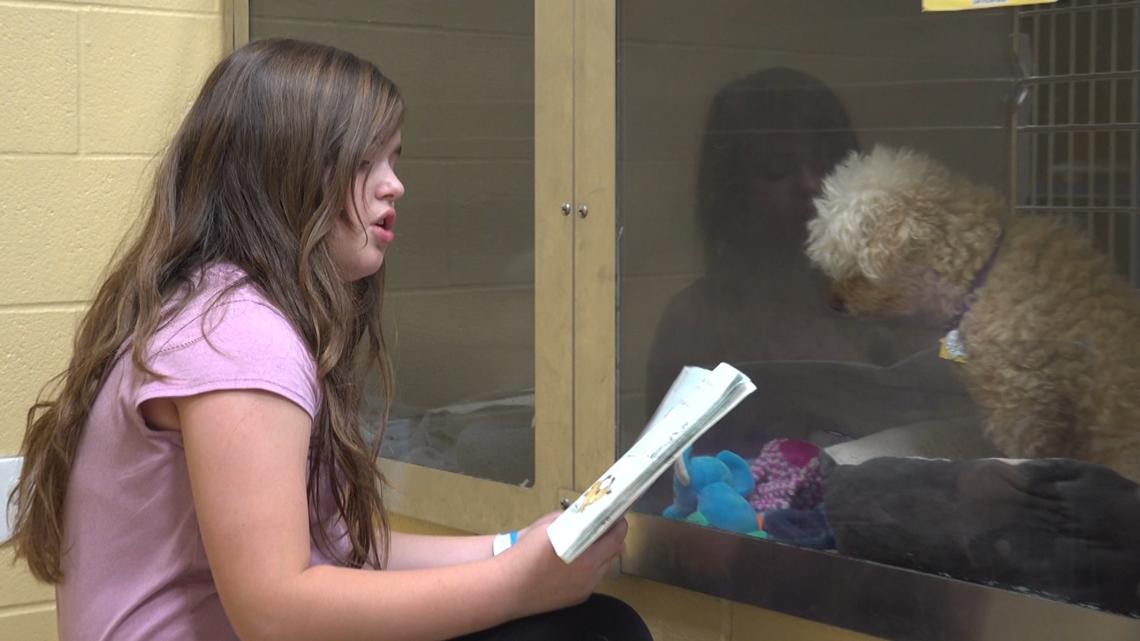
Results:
x,y
898,234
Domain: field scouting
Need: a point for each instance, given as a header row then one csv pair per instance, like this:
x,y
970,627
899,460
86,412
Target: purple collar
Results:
x,y
979,280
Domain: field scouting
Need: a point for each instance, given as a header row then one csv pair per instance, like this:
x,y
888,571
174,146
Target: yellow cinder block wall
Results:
x,y
91,93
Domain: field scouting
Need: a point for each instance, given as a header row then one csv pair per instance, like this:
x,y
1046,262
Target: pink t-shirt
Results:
x,y
134,565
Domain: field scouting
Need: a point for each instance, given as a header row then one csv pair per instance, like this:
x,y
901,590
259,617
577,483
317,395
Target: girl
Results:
x,y
200,472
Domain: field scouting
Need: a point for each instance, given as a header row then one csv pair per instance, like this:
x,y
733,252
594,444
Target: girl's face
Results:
x,y
362,233
787,174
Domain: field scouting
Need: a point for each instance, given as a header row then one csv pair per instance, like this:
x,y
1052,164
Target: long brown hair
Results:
x,y
256,175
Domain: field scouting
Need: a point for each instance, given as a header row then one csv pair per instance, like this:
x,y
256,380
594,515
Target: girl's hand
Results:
x,y
544,582
540,523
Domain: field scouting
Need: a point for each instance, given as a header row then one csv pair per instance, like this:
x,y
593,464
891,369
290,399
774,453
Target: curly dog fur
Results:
x,y
1052,334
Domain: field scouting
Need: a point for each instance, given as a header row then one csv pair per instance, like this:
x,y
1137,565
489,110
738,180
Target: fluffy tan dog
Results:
x,y
1047,336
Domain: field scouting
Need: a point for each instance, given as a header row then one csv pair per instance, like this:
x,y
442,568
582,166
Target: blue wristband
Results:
x,y
503,541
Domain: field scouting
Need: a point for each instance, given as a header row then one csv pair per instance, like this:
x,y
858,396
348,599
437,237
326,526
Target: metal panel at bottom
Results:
x,y
875,599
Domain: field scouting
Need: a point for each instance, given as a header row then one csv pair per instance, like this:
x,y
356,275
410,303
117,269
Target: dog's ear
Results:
x,y
833,233
893,231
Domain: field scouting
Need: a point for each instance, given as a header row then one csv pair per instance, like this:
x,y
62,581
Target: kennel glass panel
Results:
x,y
862,439
459,309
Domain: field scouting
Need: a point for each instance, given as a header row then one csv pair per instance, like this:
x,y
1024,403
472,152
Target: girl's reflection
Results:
x,y
769,139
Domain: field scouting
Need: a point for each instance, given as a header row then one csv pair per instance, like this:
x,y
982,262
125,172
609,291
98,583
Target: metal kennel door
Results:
x,y
1074,145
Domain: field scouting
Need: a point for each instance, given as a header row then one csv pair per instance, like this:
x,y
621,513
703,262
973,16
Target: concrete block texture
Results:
x,y
140,73
35,347
28,624
18,588
63,217
92,93
39,71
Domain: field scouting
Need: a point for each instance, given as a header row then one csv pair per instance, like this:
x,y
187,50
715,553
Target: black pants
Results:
x,y
600,618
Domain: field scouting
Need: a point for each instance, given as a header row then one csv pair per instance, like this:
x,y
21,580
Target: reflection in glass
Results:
x,y
865,435
459,310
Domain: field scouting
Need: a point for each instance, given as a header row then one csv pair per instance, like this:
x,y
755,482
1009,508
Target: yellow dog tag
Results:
x,y
952,348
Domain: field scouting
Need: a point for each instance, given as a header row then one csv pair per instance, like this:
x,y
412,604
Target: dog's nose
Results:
x,y
837,303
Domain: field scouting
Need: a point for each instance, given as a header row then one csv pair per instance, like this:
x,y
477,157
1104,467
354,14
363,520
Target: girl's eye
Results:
x,y
777,166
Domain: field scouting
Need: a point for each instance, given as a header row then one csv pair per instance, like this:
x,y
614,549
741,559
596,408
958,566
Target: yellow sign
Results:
x,y
964,5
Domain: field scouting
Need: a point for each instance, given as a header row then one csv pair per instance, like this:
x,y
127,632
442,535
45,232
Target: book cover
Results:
x,y
697,399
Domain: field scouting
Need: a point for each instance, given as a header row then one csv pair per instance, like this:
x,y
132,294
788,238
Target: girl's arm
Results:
x,y
246,452
412,551
418,551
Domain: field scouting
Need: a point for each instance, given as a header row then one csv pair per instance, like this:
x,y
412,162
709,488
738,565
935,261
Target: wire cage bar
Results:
x,y
1075,134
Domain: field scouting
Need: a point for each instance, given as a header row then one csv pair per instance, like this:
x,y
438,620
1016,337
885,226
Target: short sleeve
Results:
x,y
241,342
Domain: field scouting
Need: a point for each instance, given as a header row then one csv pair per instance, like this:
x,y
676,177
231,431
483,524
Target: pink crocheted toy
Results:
x,y
787,476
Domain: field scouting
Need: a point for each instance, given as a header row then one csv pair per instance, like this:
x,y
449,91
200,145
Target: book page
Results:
x,y
696,401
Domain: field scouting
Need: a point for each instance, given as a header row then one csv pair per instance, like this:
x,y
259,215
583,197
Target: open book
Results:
x,y
695,402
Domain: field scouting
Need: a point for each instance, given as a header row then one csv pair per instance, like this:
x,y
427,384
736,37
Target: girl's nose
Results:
x,y
393,187
810,180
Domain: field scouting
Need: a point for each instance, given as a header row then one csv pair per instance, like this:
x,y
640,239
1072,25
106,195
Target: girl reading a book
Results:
x,y
199,471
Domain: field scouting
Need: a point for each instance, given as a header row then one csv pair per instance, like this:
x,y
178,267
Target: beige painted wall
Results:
x,y
90,94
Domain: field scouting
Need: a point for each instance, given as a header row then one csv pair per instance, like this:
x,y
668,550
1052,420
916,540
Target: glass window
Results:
x,y
460,283
908,337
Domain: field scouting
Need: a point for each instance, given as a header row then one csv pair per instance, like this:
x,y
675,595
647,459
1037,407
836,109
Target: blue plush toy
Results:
x,y
712,490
